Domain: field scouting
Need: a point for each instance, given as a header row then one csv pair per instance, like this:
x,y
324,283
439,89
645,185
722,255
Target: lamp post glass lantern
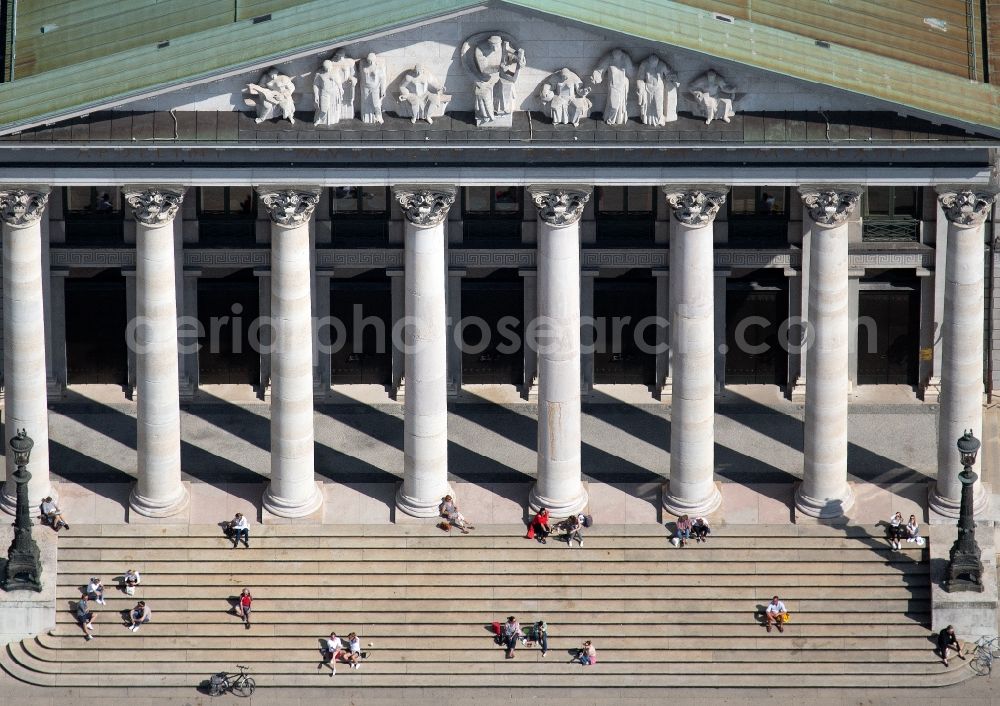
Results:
x,y
24,569
965,567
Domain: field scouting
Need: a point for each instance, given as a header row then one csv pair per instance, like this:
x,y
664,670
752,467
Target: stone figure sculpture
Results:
x,y
711,99
333,90
566,97
271,95
423,94
656,85
373,84
494,63
619,68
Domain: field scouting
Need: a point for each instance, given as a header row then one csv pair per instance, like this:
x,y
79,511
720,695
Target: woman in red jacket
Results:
x,y
243,606
539,526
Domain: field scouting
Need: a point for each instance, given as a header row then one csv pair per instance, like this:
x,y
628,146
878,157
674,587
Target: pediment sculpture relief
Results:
x,y
656,87
273,96
373,85
421,94
713,97
619,68
333,90
494,62
566,98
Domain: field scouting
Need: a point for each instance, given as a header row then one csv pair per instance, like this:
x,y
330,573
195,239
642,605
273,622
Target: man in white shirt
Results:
x,y
775,614
240,528
332,647
52,514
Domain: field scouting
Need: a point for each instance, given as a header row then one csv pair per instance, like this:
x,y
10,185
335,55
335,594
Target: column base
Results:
x,y
157,507
8,503
676,506
824,509
931,391
559,508
797,393
422,508
282,507
949,507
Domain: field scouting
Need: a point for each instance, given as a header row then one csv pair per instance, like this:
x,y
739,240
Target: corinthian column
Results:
x,y
158,491
293,491
961,399
24,336
824,491
559,486
425,352
692,488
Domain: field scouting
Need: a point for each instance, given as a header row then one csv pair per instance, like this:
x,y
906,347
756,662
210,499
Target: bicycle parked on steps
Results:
x,y
983,653
240,684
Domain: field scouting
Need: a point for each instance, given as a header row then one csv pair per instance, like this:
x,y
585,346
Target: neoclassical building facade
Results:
x,y
649,213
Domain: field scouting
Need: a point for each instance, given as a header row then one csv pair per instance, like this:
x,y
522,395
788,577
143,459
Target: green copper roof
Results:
x,y
201,50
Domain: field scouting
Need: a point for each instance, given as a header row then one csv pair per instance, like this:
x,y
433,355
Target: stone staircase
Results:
x,y
659,616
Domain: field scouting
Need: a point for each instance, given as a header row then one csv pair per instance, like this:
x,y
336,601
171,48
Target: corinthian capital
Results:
x,y
559,205
425,206
22,207
830,206
154,205
695,206
966,206
291,206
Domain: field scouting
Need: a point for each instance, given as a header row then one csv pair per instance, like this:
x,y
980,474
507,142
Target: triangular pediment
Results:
x,y
553,37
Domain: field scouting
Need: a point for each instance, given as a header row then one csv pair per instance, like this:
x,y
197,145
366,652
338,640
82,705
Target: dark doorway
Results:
x,y
227,308
96,319
363,307
621,306
888,330
492,338
756,307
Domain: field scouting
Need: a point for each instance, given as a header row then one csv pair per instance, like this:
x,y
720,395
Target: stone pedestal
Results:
x,y
425,403
158,491
972,614
293,491
825,492
692,489
961,395
25,393
27,613
559,484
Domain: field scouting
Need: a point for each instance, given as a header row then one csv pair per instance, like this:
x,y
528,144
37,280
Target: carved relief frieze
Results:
x,y
374,82
421,95
273,96
566,98
656,88
494,61
713,97
333,89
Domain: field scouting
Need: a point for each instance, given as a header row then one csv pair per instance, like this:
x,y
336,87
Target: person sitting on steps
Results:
x,y
449,510
239,528
539,528
52,515
775,614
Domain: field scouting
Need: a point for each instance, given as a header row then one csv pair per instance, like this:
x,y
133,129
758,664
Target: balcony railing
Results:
x,y
890,230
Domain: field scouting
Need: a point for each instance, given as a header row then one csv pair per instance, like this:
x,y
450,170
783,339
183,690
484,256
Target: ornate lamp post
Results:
x,y
965,570
24,568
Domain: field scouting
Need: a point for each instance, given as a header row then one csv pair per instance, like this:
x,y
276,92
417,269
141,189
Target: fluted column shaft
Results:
x,y
559,485
159,491
25,395
824,491
293,491
961,399
692,489
425,355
